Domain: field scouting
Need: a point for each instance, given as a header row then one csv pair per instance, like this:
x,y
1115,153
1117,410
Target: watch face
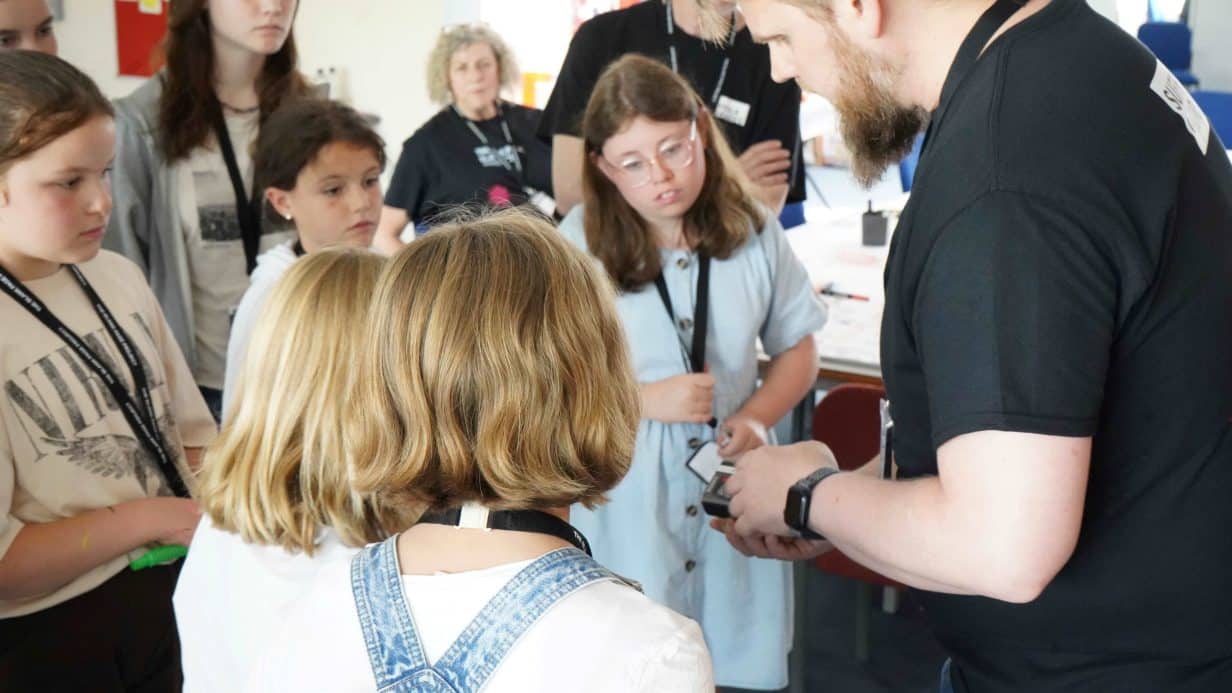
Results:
x,y
795,514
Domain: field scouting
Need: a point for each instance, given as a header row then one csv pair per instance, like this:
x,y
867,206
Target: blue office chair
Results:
x,y
1218,108
907,167
1172,43
792,215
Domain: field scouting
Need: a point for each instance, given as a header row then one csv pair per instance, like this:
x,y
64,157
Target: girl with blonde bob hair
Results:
x,y
274,486
494,392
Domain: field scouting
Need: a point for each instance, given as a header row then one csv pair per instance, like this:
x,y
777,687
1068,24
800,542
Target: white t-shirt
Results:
x,y
271,265
216,264
605,637
65,447
232,597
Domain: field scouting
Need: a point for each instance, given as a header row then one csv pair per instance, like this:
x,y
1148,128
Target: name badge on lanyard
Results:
x,y
733,111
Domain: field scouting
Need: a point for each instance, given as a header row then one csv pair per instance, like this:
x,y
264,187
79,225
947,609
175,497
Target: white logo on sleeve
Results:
x,y
1180,100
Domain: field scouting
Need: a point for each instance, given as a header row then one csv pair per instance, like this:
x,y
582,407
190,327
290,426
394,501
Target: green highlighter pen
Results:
x,y
159,555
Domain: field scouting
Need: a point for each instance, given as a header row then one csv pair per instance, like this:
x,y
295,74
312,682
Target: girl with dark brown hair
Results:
x,y
318,172
705,273
184,207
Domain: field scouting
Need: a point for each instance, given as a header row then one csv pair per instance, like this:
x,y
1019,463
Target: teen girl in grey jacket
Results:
x,y
145,224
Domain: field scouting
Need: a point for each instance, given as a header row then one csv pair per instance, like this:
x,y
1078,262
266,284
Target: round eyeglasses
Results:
x,y
674,154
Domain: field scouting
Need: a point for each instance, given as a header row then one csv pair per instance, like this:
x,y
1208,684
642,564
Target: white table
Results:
x,y
830,246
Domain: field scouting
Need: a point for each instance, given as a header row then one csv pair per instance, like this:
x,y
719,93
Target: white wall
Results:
x,y
1108,8
382,48
539,37
1212,23
87,39
380,45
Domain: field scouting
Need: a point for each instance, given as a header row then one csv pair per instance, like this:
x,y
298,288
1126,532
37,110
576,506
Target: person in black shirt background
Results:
x,y
761,119
1055,346
479,149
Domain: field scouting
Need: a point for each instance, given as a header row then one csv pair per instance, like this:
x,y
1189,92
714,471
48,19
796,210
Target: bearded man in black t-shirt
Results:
x,y
1056,345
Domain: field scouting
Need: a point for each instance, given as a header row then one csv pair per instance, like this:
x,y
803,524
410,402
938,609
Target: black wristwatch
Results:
x,y
800,501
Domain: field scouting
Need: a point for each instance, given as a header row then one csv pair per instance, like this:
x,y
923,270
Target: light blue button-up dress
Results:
x,y
653,530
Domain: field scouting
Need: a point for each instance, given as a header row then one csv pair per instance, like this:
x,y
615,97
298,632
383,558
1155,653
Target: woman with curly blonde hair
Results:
x,y
479,150
274,485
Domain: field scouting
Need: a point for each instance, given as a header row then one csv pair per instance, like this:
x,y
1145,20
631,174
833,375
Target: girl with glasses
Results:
x,y
704,272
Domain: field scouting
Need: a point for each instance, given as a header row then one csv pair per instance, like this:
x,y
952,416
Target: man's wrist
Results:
x,y
798,508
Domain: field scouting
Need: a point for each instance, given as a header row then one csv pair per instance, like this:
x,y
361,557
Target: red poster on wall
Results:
x,y
140,27
585,9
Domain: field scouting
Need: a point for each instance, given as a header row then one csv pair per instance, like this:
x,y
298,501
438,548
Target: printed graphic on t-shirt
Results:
x,y
59,405
216,215
505,157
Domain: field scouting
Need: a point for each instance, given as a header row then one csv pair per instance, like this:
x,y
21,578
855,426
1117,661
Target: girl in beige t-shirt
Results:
x,y
87,470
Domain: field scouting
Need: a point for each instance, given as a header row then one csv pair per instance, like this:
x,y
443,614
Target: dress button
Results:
x,y
691,511
694,443
682,263
686,324
690,565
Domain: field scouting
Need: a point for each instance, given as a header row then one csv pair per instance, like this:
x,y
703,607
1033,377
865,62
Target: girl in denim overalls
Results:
x,y
495,399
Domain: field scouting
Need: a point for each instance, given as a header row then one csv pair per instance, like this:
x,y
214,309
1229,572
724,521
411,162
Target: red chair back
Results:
x,y
848,420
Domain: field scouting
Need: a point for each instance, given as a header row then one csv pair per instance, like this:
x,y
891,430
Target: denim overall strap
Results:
x,y
394,650
478,651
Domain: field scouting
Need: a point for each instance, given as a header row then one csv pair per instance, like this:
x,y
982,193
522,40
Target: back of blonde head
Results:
x,y
278,470
495,371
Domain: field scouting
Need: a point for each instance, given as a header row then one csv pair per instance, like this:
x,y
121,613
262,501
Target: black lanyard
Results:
x,y
517,521
483,139
675,61
697,355
701,315
246,208
968,55
140,417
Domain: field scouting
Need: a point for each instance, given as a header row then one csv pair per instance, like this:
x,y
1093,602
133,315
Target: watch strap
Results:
x,y
804,489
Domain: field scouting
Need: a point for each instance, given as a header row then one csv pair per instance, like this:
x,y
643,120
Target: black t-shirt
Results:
x,y
445,164
773,109
1064,267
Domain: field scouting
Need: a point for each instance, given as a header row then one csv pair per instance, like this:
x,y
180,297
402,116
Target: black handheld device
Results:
x,y
715,500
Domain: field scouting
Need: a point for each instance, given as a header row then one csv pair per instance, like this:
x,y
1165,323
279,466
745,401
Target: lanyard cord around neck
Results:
x,y
675,60
535,521
247,210
483,139
139,412
696,358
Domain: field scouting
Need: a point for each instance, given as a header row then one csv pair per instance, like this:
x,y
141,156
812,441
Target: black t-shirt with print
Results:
x,y
445,164
1064,267
773,109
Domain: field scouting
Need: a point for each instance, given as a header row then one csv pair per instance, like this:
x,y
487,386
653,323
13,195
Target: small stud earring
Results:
x,y
287,217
